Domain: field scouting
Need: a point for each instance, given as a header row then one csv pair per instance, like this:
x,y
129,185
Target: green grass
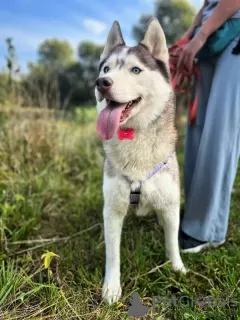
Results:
x,y
50,188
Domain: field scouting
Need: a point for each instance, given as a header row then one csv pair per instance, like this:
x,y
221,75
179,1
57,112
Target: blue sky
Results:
x,y
29,22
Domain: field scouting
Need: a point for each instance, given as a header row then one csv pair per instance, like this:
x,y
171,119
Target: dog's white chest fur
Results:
x,y
155,192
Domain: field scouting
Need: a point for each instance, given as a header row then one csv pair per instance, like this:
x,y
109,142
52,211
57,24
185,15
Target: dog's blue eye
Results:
x,y
106,69
136,70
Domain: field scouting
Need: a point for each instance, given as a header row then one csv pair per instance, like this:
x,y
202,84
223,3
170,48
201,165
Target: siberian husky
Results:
x,y
136,121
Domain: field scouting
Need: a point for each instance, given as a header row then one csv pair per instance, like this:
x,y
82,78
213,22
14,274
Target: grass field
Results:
x,y
51,203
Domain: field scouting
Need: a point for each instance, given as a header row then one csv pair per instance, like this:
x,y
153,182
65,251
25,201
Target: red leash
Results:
x,y
178,77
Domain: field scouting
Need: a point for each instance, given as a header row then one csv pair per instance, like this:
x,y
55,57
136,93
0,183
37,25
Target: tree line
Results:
x,y
58,80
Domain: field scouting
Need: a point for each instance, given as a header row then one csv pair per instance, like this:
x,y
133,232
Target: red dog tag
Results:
x,y
126,134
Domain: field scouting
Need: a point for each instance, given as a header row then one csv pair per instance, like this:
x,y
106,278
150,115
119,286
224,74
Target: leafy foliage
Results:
x,y
59,81
175,17
55,52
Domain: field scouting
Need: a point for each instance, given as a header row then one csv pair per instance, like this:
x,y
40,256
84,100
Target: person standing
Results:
x,y
212,144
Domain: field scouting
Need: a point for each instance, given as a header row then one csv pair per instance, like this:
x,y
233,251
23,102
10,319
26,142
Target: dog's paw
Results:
x,y
111,291
179,267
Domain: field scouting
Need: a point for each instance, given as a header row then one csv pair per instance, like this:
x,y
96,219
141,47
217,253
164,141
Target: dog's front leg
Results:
x,y
115,209
171,220
113,222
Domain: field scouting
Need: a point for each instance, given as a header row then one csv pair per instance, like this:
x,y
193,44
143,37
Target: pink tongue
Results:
x,y
108,121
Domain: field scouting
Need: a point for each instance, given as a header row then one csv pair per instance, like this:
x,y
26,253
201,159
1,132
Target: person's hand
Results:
x,y
187,35
189,52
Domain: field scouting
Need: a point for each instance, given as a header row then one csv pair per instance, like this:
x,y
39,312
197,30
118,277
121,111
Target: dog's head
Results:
x,y
134,82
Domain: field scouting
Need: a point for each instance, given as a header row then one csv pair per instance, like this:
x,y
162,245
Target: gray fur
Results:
x,y
143,54
115,50
109,168
114,39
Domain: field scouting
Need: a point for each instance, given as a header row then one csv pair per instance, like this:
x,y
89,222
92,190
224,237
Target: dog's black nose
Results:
x,y
103,84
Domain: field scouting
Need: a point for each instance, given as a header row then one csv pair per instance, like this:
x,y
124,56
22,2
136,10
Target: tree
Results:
x,y
139,30
49,82
73,86
11,58
175,17
9,81
59,81
89,52
55,52
89,55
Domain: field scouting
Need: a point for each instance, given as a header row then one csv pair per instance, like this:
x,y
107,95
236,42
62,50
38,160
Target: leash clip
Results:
x,y
135,197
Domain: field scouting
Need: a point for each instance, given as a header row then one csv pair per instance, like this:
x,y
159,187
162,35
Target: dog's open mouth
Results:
x,y
126,111
112,116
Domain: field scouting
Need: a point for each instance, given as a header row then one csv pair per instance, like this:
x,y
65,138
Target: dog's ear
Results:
x,y
114,39
155,41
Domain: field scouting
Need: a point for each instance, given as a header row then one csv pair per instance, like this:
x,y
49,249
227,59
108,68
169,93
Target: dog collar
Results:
x,y
126,134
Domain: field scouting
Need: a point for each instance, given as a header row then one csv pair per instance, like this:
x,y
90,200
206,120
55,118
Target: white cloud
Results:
x,y
94,26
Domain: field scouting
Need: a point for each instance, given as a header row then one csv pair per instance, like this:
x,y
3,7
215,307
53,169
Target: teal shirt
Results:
x,y
211,4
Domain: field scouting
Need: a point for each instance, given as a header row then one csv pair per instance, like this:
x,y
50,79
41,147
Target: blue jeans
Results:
x,y
212,149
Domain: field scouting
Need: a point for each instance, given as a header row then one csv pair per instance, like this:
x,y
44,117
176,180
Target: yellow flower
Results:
x,y
47,258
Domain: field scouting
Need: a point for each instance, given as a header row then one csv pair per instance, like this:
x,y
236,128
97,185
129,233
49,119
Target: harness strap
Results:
x,y
136,191
179,77
150,174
